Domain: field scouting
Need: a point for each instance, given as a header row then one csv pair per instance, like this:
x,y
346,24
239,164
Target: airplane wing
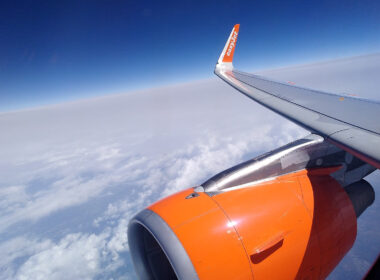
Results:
x,y
350,123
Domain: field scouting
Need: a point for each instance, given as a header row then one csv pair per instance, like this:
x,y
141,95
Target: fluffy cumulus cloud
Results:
x,y
75,256
73,175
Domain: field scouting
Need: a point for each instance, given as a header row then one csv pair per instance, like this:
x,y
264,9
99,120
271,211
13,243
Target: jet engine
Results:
x,y
289,214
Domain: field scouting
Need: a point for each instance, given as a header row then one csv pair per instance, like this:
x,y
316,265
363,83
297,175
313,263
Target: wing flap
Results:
x,y
360,143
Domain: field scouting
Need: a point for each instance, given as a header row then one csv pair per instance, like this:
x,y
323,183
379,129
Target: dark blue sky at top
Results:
x,y
54,51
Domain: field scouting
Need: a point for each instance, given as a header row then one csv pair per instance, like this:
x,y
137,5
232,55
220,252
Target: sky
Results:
x,y
73,174
54,51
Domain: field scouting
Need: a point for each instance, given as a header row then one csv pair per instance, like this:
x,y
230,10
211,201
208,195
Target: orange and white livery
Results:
x,y
227,54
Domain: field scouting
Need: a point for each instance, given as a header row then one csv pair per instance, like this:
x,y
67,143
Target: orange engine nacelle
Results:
x,y
298,225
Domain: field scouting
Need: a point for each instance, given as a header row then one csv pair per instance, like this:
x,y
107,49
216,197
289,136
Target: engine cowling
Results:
x,y
296,226
289,226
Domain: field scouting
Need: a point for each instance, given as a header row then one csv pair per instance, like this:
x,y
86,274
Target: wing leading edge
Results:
x,y
352,124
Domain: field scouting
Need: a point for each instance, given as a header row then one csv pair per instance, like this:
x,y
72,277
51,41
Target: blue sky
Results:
x,y
55,51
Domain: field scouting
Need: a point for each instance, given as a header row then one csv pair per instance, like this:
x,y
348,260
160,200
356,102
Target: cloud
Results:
x,y
15,249
76,172
110,177
75,257
62,182
87,255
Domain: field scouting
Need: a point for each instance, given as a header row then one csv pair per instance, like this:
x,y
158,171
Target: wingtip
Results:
x,y
227,55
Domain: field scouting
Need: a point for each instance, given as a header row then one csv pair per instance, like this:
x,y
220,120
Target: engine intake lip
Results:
x,y
145,225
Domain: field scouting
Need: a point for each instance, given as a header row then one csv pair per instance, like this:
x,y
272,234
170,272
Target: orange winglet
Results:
x,y
229,54
229,49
